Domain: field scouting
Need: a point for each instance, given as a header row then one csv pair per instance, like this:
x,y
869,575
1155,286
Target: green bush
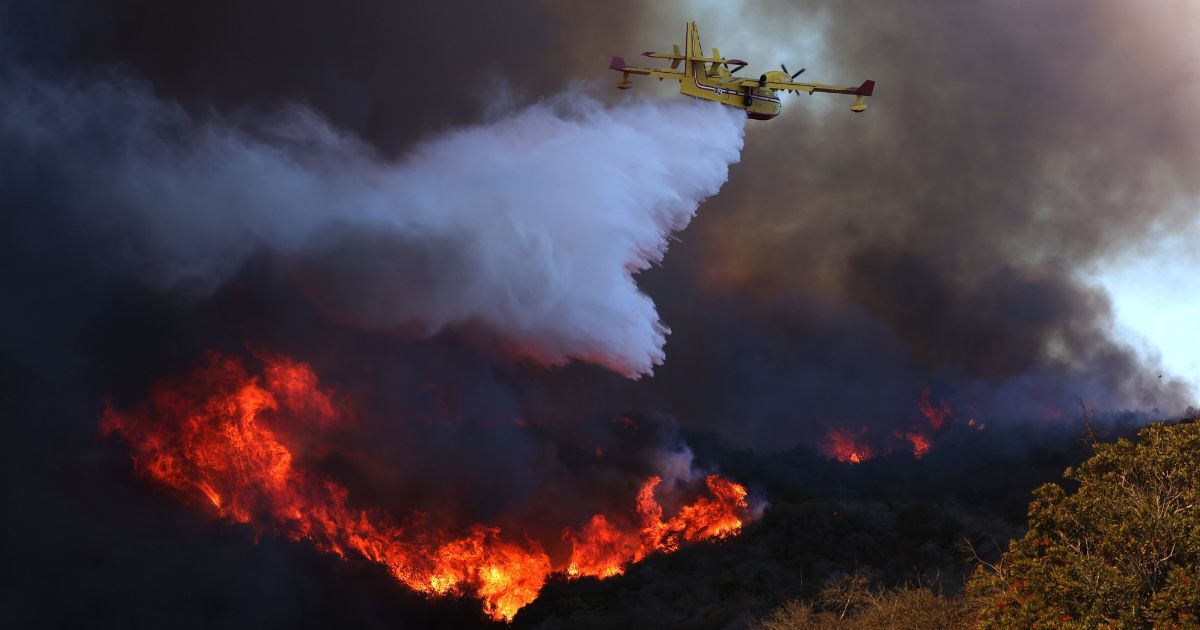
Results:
x,y
1120,551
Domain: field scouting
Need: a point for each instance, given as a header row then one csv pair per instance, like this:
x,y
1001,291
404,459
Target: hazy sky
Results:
x,y
1155,288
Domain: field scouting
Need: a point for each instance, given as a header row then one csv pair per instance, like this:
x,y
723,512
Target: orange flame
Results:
x,y
844,445
921,444
938,415
847,445
601,549
216,438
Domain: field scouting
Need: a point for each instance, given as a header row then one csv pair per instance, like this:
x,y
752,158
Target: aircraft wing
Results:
x,y
778,85
866,89
619,64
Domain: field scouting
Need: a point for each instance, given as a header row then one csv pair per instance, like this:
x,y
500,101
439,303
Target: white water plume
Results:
x,y
530,227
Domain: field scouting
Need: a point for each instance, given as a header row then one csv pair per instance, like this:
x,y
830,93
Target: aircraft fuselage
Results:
x,y
758,103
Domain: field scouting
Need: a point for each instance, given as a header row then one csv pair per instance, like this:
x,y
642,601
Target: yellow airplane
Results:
x,y
711,79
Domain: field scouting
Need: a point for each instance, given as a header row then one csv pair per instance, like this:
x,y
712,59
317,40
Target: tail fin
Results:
x,y
694,34
866,89
692,46
675,51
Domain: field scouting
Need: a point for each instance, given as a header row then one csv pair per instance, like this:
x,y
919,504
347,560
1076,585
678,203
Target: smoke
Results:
x,y
529,228
942,238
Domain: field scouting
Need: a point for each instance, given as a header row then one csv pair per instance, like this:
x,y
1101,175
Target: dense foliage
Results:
x,y
1121,550
829,526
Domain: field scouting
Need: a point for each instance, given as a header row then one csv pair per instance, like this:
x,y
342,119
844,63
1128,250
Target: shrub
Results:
x,y
1122,550
851,603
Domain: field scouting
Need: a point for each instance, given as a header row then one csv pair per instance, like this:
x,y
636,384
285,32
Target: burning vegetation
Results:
x,y
228,439
846,445
853,447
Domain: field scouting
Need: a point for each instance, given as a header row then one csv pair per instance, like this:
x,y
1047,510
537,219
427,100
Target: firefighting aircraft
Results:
x,y
711,79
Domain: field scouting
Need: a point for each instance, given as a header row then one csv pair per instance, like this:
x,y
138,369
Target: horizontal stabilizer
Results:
x,y
732,62
675,56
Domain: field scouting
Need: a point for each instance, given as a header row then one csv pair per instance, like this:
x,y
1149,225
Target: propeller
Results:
x,y
798,72
734,62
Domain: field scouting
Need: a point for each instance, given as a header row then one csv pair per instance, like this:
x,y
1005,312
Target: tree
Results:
x,y
1121,551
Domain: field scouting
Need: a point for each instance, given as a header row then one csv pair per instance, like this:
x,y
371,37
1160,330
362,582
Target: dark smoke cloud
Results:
x,y
94,546
942,237
391,72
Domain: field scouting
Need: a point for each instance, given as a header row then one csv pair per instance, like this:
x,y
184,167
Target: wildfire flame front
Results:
x,y
218,438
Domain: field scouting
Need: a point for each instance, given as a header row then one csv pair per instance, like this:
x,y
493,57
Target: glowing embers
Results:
x,y
226,438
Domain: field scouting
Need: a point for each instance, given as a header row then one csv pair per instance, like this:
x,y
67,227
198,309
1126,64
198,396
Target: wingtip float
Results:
x,y
711,78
